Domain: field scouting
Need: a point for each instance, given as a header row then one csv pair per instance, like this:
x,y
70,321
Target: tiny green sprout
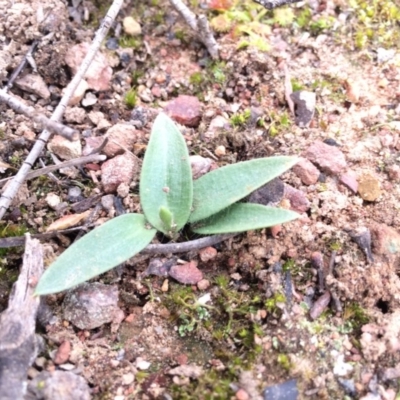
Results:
x,y
171,200
131,98
167,218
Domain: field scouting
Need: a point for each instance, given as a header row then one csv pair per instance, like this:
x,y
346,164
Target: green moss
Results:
x,y
272,303
375,23
356,315
284,361
278,123
11,230
131,42
131,98
240,119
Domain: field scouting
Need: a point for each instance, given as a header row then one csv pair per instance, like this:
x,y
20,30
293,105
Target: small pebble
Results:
x,y
369,187
220,151
112,43
131,26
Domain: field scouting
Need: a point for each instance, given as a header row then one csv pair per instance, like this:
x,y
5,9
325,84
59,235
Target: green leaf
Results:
x,y
166,177
242,217
100,250
224,186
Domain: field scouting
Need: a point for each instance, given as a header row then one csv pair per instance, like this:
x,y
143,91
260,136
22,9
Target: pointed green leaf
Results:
x,y
166,177
100,250
242,217
224,186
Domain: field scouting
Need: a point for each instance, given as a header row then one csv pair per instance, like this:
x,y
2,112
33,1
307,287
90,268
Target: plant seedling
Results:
x,y
170,199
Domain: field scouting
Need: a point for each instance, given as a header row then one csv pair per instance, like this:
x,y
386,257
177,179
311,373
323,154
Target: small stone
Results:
x,y
120,135
187,274
349,179
320,305
241,394
269,194
75,114
91,305
282,391
92,143
120,169
297,198
306,171
98,76
220,151
328,158
352,90
131,26
112,43
204,284
142,364
369,187
394,173
64,148
58,385
207,254
53,200
90,99
79,93
165,286
305,107
32,83
200,165
185,110
385,240
128,379
62,354
75,194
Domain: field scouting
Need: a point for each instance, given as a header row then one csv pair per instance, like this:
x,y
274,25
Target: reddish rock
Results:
x,y
207,254
120,169
63,352
349,179
99,73
385,240
298,199
328,158
306,171
187,273
185,109
120,134
204,284
394,173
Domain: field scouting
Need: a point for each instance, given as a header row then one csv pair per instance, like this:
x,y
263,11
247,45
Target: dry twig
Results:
x,y
12,189
53,126
199,25
65,164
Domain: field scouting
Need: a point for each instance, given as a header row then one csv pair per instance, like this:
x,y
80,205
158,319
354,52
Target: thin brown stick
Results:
x,y
30,112
65,164
16,183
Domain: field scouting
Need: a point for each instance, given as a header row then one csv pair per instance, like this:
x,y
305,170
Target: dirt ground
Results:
x,y
302,302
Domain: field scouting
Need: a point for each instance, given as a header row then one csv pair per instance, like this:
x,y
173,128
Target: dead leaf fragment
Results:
x,y
68,221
